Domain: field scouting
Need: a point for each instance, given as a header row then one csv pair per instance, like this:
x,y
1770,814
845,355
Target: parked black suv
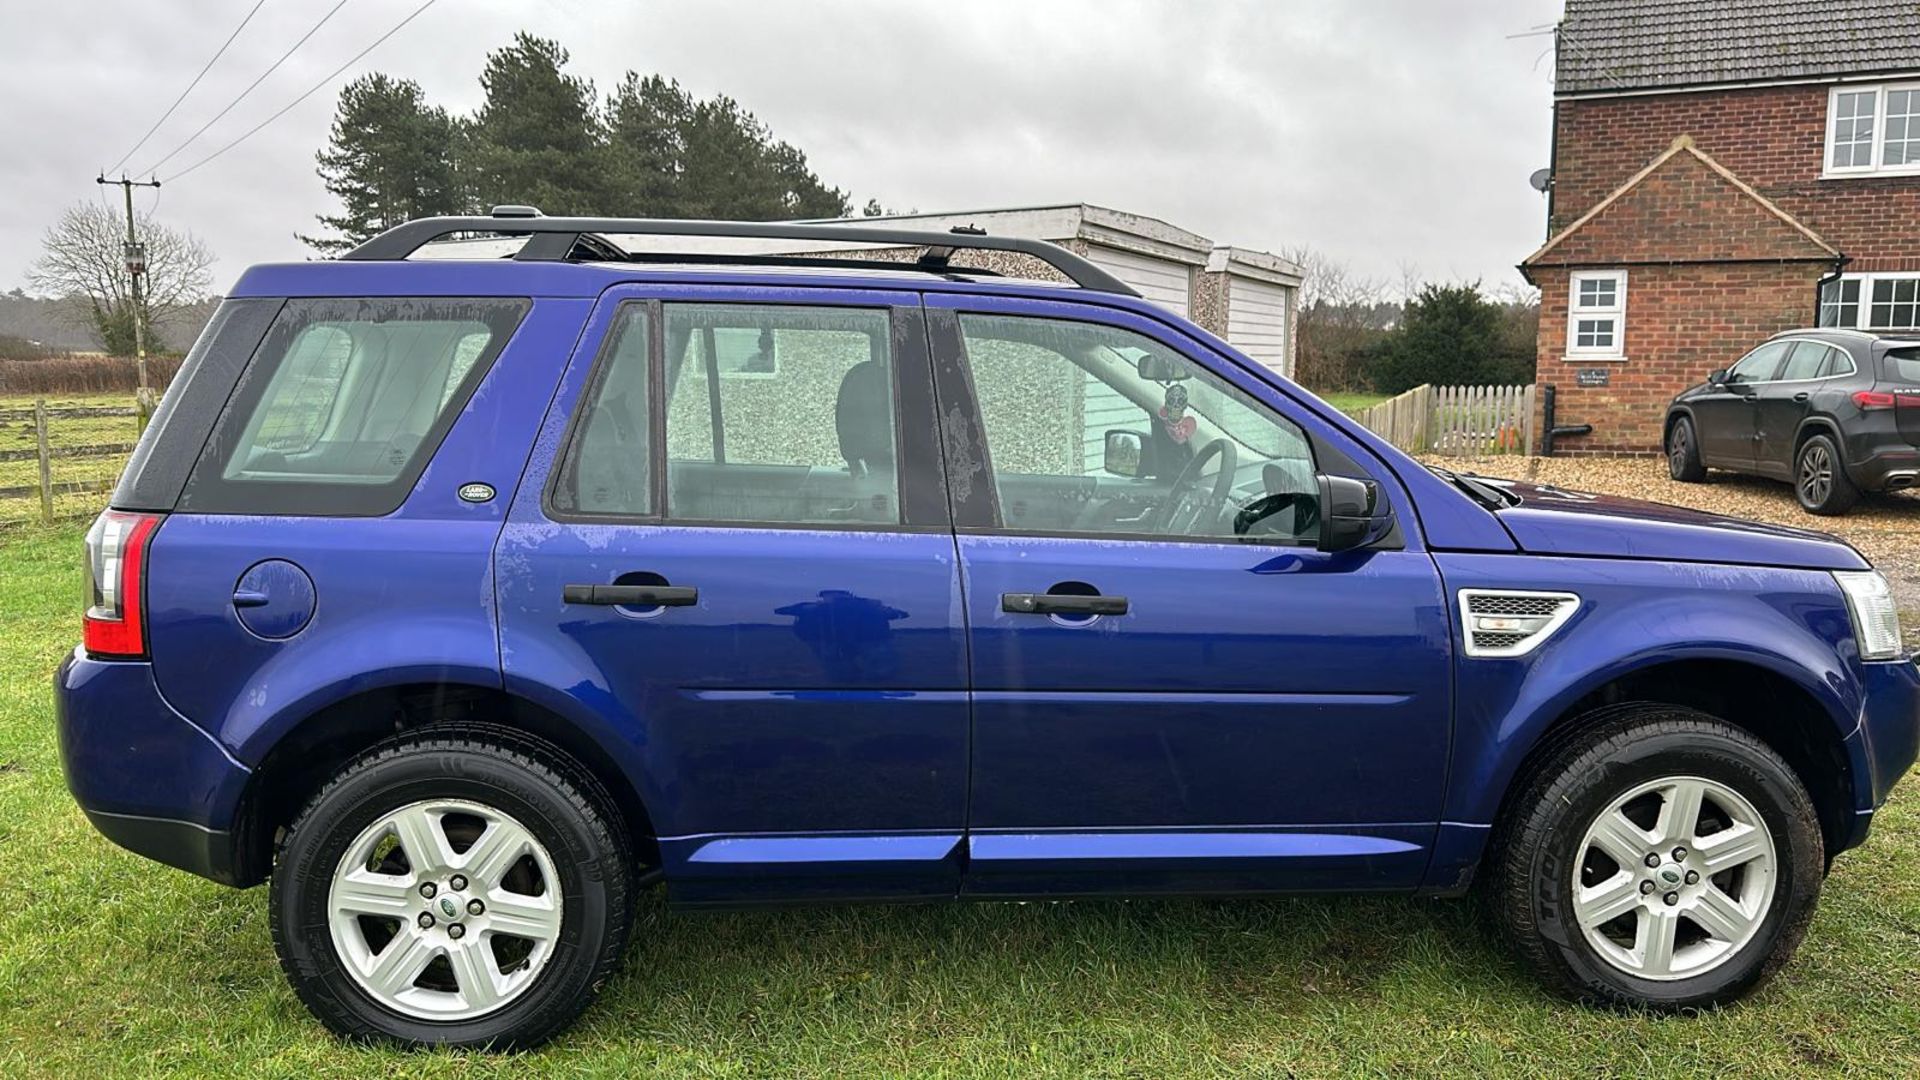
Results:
x,y
1836,412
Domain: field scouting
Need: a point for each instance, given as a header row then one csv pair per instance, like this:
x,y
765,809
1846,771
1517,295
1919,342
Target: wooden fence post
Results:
x,y
46,460
144,401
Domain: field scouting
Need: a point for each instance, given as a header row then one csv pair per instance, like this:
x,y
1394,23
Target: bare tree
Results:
x,y
83,263
1341,316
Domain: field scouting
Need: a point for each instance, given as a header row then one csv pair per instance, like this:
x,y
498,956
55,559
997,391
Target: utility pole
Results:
x,y
136,268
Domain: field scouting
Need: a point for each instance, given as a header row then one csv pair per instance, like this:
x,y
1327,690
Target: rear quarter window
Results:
x,y
344,402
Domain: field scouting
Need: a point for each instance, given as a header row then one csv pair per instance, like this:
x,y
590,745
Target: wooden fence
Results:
x,y
46,451
1460,421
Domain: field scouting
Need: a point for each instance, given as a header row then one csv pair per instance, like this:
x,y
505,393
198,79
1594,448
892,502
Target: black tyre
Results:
x,y
1613,896
1820,478
455,886
1683,453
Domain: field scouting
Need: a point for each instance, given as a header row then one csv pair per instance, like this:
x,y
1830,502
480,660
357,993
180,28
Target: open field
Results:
x,y
63,432
111,966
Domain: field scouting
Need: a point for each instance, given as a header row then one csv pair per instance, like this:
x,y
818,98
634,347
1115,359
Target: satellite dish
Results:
x,y
1541,180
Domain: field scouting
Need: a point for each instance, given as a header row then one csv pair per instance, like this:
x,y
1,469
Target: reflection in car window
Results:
x,y
1760,364
1096,429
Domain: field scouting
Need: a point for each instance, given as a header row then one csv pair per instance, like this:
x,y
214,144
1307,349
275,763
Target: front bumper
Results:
x,y
1888,739
146,777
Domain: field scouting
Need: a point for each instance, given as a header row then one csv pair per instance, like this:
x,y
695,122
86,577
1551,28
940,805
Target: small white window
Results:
x,y
1873,129
1871,302
1597,315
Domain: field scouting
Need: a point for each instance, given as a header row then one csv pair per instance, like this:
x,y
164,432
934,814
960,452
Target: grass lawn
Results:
x,y
112,966
1352,402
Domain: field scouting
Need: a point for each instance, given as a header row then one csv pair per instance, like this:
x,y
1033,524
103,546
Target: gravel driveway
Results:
x,y
1886,528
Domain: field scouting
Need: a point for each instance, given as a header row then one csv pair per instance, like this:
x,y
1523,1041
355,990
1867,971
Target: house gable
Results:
x,y
1682,207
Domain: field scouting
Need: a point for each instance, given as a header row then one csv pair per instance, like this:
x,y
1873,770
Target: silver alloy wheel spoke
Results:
x,y
1685,895
444,917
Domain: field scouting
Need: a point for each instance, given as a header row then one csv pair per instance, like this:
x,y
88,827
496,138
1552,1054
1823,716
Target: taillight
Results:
x,y
115,623
1872,399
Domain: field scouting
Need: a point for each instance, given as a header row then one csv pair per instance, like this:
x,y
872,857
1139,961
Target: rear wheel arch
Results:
x,y
1816,425
1753,697
314,750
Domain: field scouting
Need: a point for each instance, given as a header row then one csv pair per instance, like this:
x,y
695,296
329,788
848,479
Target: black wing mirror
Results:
x,y
1717,377
1122,453
1351,515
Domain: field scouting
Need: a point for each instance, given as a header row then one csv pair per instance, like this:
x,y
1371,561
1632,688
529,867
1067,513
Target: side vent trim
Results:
x,y
1496,623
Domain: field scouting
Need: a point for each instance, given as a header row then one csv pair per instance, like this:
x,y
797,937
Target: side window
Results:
x,y
343,403
1093,429
608,468
1760,364
780,414
1805,361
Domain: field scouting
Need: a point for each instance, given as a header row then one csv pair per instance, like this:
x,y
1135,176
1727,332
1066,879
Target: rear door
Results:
x,y
1162,704
731,561
1782,404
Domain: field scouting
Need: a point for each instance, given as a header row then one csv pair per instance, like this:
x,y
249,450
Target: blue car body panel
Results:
x,y
847,713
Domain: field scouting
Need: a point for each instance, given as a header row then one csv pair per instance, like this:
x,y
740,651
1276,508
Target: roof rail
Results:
x,y
556,239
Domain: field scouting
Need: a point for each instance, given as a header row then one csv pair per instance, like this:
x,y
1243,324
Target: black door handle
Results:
x,y
1026,603
1801,396
631,595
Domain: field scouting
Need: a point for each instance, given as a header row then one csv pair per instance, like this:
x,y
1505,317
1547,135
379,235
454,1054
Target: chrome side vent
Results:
x,y
1500,622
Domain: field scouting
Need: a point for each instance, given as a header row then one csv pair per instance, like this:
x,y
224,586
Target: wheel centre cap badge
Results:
x,y
448,908
1670,875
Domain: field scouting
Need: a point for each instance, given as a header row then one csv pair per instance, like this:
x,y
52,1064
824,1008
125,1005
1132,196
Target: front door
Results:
x,y
731,562
1173,690
1726,415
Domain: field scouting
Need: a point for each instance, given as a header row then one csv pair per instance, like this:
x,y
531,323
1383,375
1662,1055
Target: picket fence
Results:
x,y
1458,421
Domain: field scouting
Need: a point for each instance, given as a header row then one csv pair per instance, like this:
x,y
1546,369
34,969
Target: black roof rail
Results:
x,y
556,239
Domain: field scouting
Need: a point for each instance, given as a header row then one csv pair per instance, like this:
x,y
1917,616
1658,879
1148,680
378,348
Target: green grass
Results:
x,y
1352,402
111,966
63,431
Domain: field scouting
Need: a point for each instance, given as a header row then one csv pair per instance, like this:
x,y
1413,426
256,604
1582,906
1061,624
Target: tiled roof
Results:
x,y
1615,45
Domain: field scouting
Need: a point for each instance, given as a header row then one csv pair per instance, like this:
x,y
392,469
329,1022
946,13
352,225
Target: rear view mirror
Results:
x,y
1350,513
1156,368
1122,453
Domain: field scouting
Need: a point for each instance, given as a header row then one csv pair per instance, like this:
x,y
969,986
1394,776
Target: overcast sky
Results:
x,y
1386,134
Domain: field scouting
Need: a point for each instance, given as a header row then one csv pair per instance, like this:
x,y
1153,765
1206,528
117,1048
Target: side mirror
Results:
x,y
1157,368
1122,453
1717,377
1350,513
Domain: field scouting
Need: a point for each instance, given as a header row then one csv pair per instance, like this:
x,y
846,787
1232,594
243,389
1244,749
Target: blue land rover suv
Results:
x,y
462,588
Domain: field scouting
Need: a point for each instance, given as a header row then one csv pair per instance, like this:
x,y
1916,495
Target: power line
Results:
x,y
183,94
250,86
316,88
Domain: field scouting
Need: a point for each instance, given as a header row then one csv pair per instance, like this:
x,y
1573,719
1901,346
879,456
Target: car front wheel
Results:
x,y
1658,858
459,886
1683,453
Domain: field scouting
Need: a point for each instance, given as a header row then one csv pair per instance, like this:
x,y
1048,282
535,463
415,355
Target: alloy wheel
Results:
x,y
1674,878
1816,474
1678,447
445,909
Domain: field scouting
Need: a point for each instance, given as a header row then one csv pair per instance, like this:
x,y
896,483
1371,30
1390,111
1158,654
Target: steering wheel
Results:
x,y
1178,496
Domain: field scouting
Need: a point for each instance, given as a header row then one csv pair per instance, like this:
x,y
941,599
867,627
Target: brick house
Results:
x,y
1722,170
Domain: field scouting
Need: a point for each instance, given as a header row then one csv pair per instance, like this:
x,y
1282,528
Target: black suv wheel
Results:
x,y
1659,858
1683,453
458,886
1820,479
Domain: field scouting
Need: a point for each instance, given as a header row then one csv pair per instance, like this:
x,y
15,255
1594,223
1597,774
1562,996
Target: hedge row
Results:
x,y
82,375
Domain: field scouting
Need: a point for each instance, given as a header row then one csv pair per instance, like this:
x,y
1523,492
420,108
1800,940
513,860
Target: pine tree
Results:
x,y
537,139
390,159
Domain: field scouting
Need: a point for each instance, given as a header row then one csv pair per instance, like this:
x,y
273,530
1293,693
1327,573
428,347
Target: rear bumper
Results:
x,y
1888,739
1882,460
145,776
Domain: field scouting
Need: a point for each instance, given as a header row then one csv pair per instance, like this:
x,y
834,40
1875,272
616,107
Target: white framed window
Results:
x,y
1872,302
1597,315
1873,130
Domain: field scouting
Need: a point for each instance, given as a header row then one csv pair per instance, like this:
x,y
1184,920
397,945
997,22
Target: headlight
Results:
x,y
1876,622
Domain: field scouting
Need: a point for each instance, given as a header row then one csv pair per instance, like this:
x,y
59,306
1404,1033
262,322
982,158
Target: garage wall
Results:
x,y
1159,281
1257,322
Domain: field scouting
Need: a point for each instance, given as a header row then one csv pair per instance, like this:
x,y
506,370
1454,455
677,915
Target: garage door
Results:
x,y
1257,321
1159,281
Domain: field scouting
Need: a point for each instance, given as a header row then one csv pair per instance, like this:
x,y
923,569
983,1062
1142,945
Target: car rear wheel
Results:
x,y
1820,479
1683,453
459,886
1658,858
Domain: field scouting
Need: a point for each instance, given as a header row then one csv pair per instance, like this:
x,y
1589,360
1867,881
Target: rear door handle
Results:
x,y
1026,603
631,595
1801,396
